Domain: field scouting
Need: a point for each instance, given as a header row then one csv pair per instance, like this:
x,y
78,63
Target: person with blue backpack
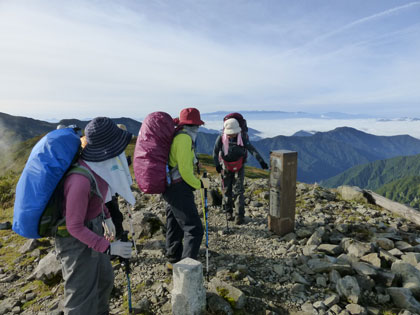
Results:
x,y
230,155
85,252
184,231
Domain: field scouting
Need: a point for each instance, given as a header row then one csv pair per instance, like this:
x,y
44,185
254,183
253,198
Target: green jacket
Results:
x,y
182,155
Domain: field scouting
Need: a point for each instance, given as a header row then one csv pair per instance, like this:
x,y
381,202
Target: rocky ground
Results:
x,y
345,257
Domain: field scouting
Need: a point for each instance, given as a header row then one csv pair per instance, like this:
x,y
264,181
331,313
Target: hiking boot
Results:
x,y
239,220
169,267
229,216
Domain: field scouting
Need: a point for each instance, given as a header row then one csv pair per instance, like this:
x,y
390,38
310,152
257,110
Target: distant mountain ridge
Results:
x,y
23,128
326,154
273,115
320,156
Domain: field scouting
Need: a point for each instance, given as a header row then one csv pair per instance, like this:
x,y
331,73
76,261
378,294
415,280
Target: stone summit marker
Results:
x,y
188,294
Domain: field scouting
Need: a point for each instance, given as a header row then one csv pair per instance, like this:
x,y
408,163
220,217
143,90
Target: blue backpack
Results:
x,y
39,191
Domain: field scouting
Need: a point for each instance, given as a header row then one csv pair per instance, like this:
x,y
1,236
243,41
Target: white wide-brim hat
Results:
x,y
231,127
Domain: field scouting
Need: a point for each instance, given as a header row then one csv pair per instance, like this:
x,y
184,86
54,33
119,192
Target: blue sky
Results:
x,y
81,59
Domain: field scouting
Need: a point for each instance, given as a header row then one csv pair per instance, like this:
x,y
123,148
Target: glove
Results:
x,y
109,229
122,249
205,183
219,169
264,165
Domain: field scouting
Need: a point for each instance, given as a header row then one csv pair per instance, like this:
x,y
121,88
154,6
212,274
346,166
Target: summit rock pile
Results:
x,y
345,257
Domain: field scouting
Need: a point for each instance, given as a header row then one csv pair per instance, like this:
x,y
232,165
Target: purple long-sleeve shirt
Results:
x,y
80,207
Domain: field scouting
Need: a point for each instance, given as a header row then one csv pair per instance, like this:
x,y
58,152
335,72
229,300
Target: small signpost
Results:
x,y
283,165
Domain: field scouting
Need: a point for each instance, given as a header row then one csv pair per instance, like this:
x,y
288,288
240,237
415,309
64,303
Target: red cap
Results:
x,y
190,116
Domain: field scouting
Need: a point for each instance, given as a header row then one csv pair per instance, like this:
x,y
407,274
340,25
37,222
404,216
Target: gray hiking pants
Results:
x,y
88,275
233,191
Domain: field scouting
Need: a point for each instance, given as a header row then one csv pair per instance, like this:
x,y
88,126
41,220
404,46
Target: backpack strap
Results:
x,y
82,170
173,174
60,227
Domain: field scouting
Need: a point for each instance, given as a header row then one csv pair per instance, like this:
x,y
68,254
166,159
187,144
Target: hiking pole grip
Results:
x,y
125,261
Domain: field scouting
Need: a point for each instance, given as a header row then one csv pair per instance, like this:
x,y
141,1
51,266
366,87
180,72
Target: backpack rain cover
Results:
x,y
151,153
49,160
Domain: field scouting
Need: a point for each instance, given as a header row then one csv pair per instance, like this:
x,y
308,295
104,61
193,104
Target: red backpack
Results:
x,y
235,166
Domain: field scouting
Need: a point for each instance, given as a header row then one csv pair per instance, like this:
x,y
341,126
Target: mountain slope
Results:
x,y
405,190
376,174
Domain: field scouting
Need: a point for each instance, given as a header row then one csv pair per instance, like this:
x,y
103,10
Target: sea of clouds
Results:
x,y
287,127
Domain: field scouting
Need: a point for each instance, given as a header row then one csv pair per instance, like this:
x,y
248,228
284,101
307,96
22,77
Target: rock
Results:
x,y
218,305
364,269
385,243
299,279
396,252
403,246
142,307
7,305
334,276
372,259
234,296
351,193
146,223
308,308
316,238
410,276
331,300
356,309
335,309
356,248
330,249
29,245
278,269
5,225
385,277
48,268
348,288
387,256
404,299
411,258
7,278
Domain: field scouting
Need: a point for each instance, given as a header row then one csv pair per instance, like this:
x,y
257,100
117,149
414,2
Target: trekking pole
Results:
x,y
126,264
133,240
205,210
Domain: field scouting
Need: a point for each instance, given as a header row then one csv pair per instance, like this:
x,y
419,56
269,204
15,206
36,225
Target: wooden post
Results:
x,y
283,165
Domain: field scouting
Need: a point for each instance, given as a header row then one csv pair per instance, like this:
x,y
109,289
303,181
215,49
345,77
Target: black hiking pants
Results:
x,y
184,231
116,215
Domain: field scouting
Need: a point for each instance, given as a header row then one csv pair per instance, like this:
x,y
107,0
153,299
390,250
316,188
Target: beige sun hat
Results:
x,y
231,127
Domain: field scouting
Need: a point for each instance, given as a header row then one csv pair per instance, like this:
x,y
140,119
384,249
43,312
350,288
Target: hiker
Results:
x,y
85,253
230,154
113,206
184,230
